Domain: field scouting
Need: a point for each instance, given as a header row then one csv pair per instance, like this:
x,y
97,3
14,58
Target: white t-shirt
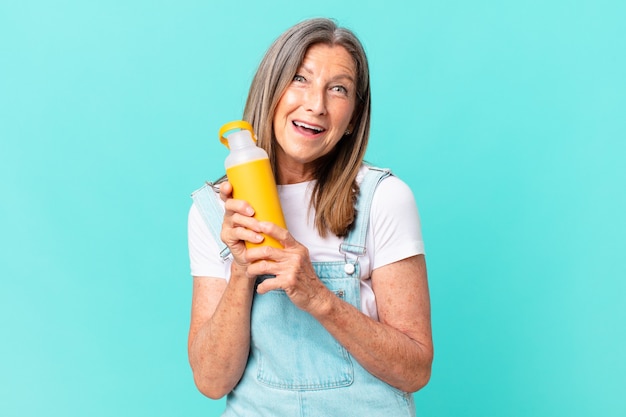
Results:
x,y
394,234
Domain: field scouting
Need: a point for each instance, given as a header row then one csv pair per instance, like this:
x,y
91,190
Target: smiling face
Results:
x,y
314,112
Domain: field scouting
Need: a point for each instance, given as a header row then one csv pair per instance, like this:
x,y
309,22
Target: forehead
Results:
x,y
332,57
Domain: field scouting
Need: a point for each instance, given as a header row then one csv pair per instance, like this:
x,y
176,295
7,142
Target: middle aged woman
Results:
x,y
343,328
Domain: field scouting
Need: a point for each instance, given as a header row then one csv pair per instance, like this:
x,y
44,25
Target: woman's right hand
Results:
x,y
239,226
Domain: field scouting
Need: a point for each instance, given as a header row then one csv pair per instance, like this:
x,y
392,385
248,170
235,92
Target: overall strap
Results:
x,y
207,201
355,241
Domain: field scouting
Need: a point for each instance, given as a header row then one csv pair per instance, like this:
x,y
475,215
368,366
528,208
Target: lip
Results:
x,y
297,126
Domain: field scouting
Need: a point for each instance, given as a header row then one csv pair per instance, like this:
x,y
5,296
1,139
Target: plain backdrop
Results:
x,y
507,119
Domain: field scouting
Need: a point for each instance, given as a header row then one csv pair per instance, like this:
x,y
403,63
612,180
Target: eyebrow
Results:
x,y
341,76
344,76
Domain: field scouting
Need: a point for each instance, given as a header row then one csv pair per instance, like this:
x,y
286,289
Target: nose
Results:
x,y
315,100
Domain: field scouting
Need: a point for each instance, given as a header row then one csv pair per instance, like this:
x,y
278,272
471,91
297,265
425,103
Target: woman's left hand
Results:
x,y
292,268
397,348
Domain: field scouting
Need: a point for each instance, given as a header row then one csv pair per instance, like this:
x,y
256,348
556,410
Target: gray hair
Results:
x,y
335,192
280,64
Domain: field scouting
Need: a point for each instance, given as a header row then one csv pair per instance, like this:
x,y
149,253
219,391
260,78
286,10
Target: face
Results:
x,y
315,110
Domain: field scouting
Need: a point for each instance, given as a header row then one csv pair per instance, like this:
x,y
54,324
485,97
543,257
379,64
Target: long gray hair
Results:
x,y
335,192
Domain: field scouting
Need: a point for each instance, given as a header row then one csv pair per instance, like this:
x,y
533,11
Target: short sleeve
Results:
x,y
395,223
203,250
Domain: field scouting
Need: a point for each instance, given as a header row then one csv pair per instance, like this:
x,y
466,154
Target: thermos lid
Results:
x,y
237,124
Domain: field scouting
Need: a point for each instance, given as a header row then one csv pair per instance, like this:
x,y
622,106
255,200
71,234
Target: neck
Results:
x,y
294,174
291,171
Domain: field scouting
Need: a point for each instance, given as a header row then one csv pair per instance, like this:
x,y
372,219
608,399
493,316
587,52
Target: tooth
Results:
x,y
317,129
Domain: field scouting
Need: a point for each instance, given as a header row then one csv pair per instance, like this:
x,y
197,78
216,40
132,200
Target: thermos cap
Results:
x,y
237,124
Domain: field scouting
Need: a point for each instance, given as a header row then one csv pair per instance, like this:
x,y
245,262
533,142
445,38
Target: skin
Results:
x,y
398,348
322,95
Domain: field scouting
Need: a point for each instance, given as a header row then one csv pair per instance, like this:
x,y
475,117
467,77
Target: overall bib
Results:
x,y
296,368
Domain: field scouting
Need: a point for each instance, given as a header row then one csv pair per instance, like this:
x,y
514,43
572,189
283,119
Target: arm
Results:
x,y
397,349
219,332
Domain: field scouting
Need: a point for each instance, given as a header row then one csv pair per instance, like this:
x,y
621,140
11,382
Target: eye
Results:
x,y
299,78
340,89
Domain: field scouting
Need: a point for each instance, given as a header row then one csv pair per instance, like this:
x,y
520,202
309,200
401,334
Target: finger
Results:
x,y
269,284
237,227
233,235
265,252
226,190
237,220
263,268
239,206
281,235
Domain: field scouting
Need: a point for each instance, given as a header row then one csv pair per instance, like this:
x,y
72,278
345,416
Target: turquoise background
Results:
x,y
507,119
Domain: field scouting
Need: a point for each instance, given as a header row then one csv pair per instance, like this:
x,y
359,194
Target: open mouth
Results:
x,y
307,128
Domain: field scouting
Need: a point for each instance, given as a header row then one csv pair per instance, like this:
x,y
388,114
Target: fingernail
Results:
x,y
249,211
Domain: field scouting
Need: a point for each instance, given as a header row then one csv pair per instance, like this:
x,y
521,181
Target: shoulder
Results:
x,y
395,222
393,201
390,189
393,189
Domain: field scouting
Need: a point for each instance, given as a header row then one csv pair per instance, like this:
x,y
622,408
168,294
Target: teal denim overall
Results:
x,y
296,368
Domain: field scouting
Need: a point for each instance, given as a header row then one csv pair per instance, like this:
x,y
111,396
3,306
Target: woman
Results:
x,y
343,326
